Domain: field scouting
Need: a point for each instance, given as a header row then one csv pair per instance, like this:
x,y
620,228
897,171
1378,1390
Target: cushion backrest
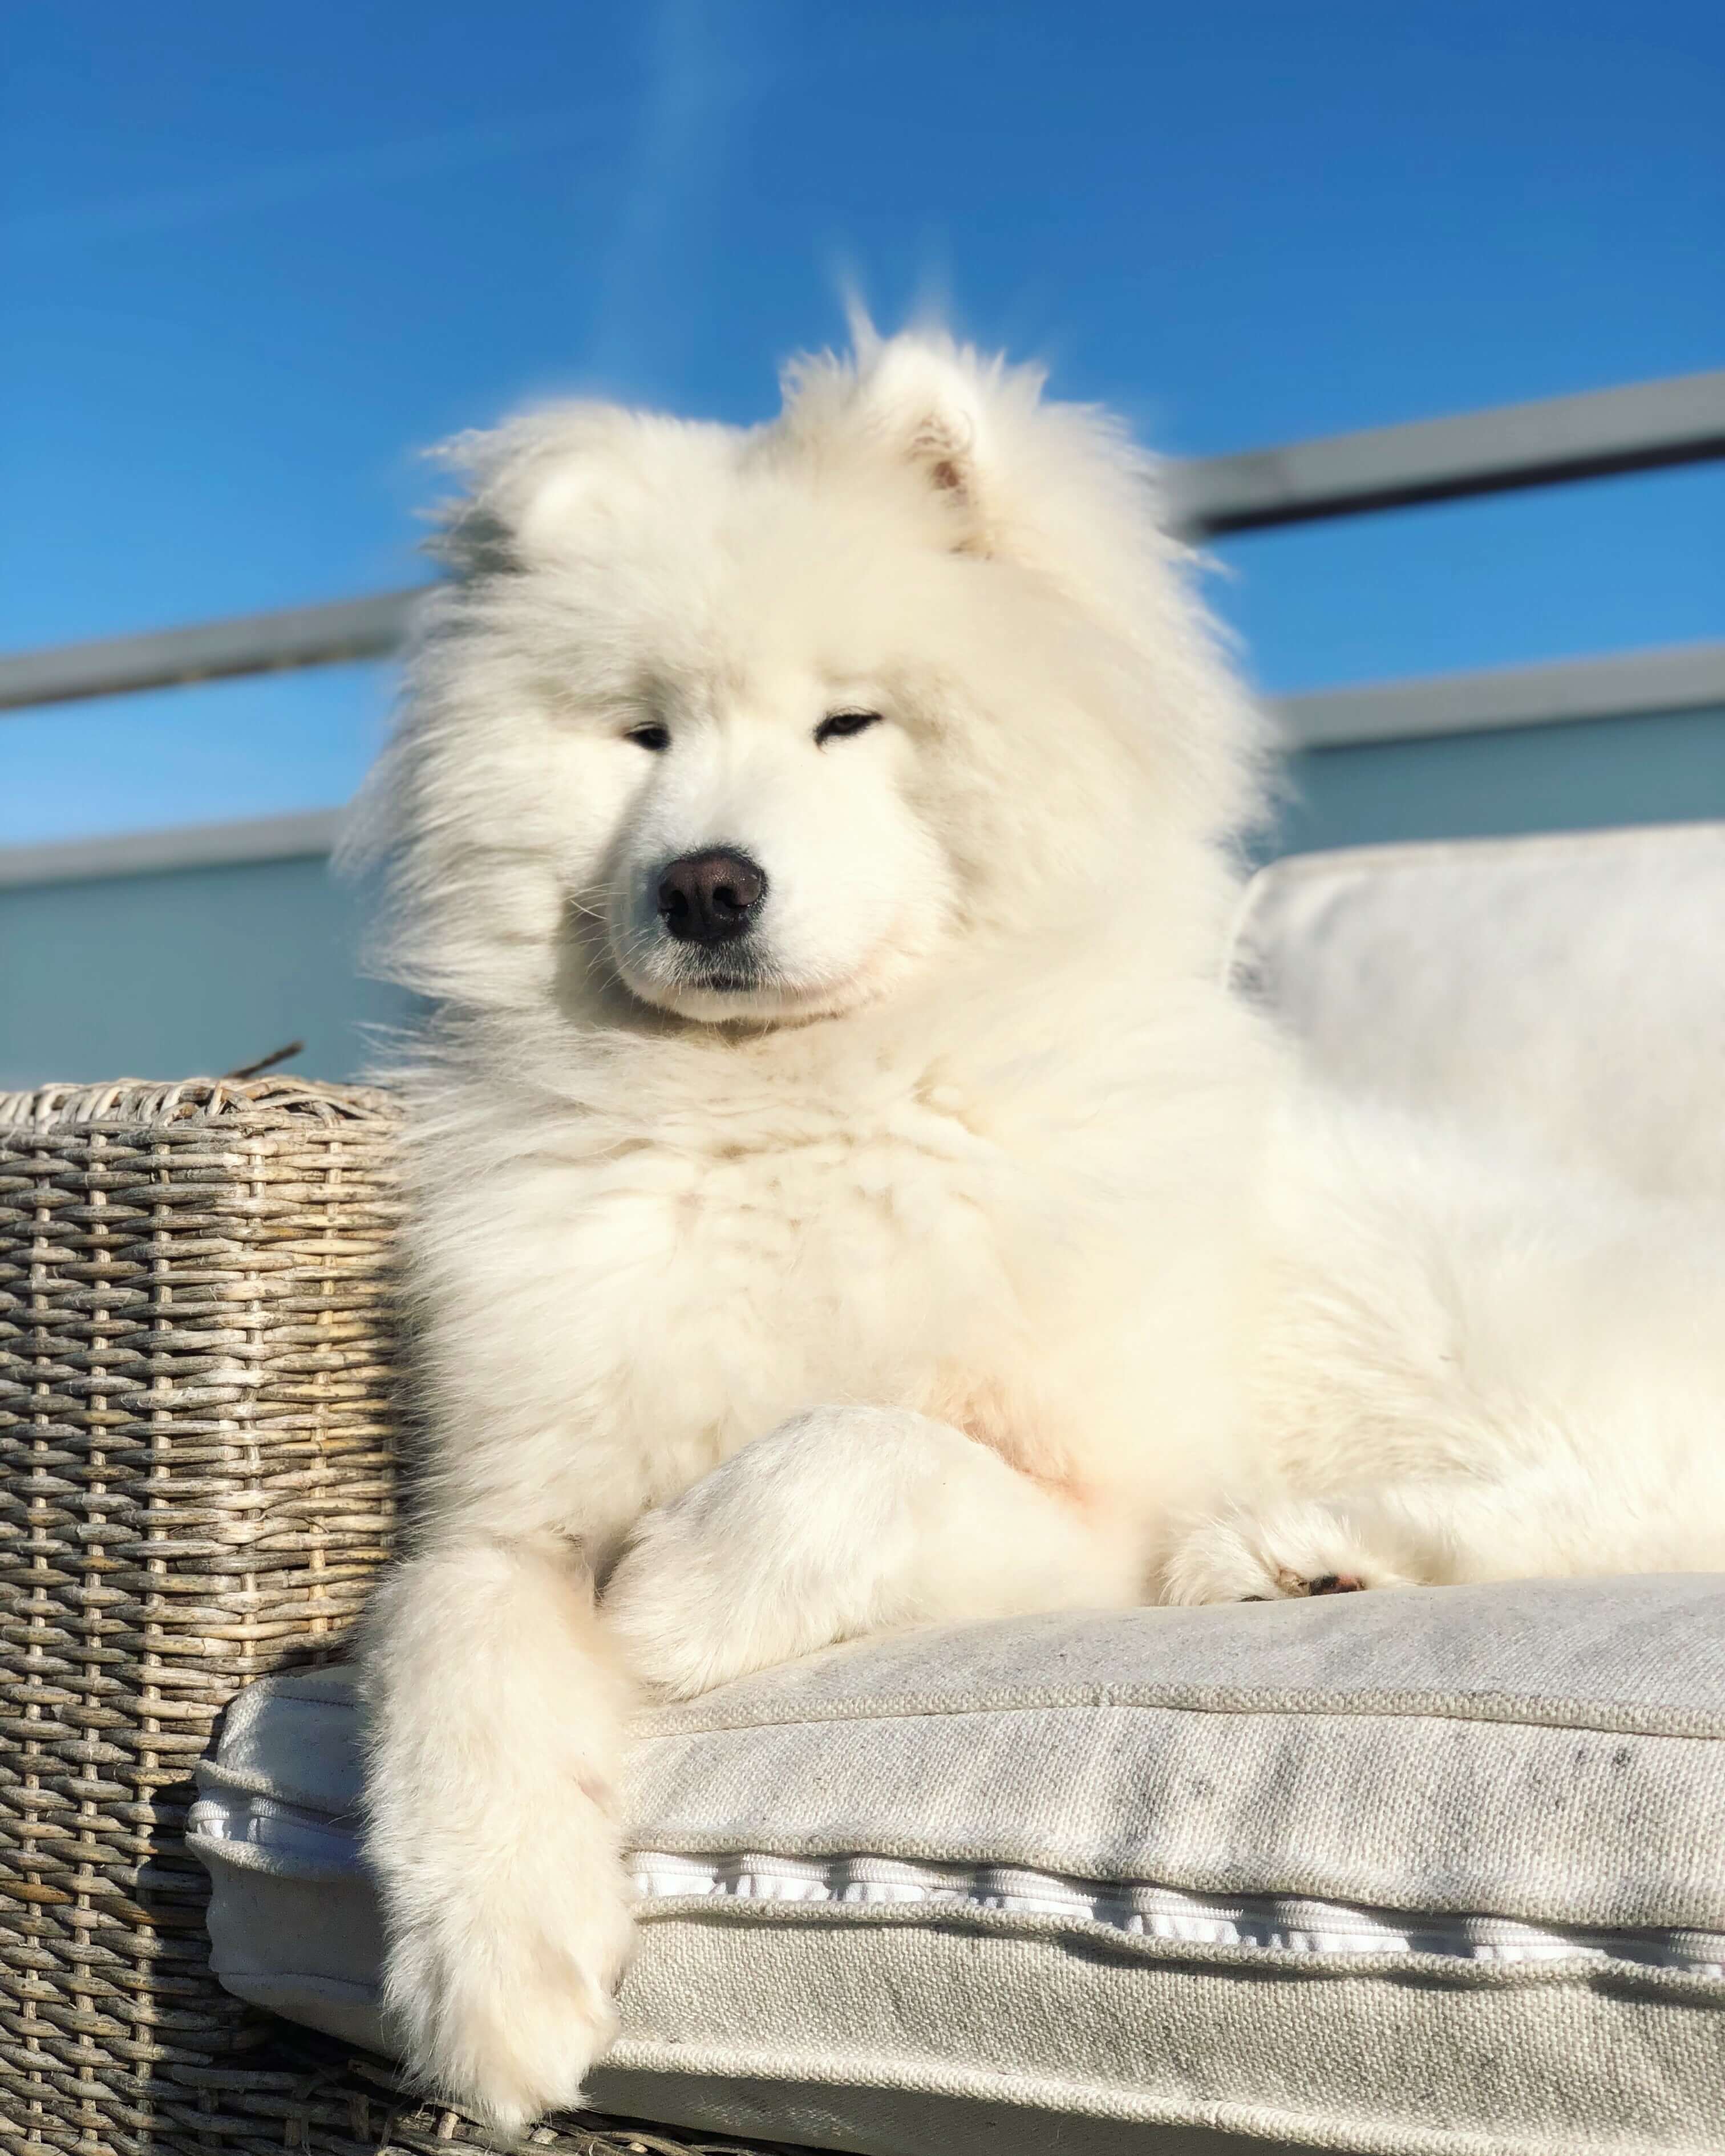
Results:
x,y
1564,991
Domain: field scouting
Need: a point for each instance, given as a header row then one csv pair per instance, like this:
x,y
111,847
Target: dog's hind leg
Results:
x,y
495,1710
1295,1546
1551,1519
847,1521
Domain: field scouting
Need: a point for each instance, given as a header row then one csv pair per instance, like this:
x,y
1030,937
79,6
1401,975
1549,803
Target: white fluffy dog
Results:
x,y
847,1195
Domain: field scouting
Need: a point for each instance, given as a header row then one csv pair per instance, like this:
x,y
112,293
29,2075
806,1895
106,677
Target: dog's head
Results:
x,y
755,725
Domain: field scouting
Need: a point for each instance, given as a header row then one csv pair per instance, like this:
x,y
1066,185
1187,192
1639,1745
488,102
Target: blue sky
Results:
x,y
253,258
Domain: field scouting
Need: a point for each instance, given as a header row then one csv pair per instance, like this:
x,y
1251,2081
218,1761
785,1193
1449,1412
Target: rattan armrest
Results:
x,y
196,1481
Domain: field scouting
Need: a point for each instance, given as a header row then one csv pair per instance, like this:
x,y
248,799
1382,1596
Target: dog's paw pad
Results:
x,y
1285,1553
1292,1585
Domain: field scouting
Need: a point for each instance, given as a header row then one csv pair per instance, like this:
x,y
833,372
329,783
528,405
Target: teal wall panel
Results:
x,y
1653,768
178,971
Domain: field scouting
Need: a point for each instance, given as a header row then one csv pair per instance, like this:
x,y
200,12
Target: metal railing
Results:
x,y
207,651
1644,427
1681,677
1599,433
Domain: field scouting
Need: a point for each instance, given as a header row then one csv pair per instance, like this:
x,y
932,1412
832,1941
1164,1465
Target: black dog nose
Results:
x,y
709,897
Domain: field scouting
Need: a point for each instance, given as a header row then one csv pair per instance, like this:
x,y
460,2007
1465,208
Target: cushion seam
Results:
x,y
1698,1987
1517,1710
1390,1706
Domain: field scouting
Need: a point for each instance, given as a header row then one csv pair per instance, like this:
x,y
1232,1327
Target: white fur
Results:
x,y
979,1253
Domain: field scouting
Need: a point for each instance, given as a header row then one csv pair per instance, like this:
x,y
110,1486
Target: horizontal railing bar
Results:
x,y
1628,685
247,839
1625,684
1646,426
209,651
1643,426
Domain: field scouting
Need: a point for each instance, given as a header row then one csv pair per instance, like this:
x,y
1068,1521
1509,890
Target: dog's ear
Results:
x,y
546,485
919,400
923,400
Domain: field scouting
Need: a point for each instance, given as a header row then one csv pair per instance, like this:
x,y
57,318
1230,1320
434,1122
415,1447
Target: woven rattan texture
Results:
x,y
303,2092
196,1481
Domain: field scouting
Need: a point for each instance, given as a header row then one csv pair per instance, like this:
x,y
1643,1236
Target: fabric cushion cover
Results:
x,y
1421,1872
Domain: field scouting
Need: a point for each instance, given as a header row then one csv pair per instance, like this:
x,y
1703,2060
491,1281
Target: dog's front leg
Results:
x,y
495,1708
847,1521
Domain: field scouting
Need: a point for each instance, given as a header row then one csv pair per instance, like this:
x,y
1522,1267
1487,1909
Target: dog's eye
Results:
x,y
654,736
838,726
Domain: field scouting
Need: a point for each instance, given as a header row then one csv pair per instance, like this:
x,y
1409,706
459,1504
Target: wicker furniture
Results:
x,y
196,1481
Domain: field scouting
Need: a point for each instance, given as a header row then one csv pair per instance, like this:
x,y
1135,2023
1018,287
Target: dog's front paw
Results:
x,y
1301,1547
696,1600
501,1999
761,1561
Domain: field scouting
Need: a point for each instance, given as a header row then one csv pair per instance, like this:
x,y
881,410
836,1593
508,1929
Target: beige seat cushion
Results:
x,y
1568,991
1421,1872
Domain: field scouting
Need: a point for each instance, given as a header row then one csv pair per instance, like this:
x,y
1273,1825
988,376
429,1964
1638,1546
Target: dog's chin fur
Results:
x,y
757,1004
987,1257
746,998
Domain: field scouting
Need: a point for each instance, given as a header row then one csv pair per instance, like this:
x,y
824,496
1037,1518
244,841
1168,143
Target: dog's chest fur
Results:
x,y
845,1260
700,1246
638,1294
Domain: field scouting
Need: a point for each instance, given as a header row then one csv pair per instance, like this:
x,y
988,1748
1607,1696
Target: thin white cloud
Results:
x,y
704,73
